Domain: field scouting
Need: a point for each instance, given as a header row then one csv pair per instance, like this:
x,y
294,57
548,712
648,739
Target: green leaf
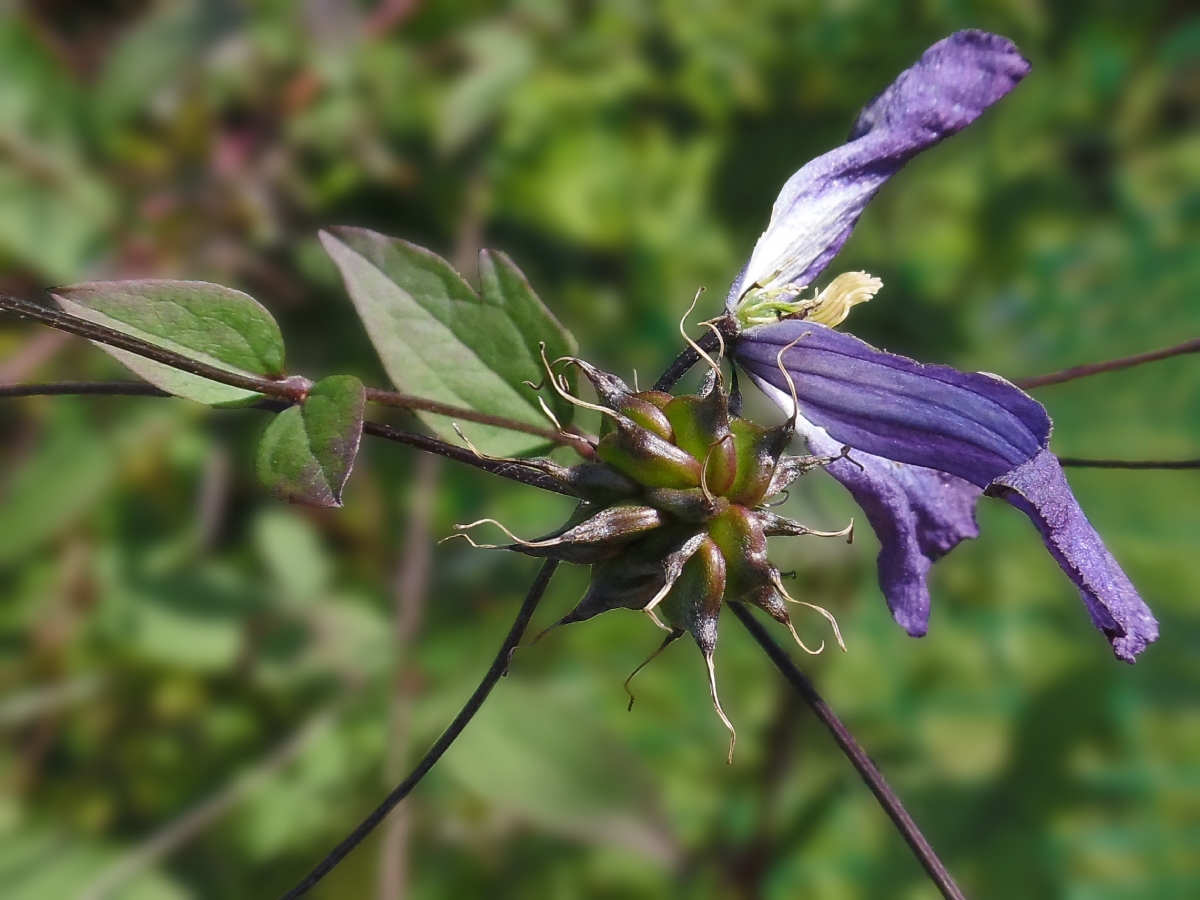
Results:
x,y
307,451
439,340
206,322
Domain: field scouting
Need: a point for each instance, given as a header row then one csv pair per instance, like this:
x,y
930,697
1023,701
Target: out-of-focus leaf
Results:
x,y
206,322
292,550
57,209
37,865
501,57
193,621
541,755
60,481
152,57
54,231
307,451
439,340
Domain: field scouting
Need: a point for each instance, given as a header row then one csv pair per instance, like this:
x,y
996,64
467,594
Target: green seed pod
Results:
x,y
671,519
647,458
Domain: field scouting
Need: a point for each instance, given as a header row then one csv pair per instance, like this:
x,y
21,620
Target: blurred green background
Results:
x,y
201,689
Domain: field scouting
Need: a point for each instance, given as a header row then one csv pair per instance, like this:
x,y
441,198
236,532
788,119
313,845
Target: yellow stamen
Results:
x,y
848,289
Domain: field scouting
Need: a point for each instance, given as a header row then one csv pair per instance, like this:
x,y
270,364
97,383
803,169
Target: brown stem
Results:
x,y
1112,365
689,357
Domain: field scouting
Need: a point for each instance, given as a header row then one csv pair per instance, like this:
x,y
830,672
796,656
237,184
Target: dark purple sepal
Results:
x,y
1039,489
946,90
917,514
969,424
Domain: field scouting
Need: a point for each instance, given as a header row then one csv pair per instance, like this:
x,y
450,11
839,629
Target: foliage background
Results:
x,y
165,629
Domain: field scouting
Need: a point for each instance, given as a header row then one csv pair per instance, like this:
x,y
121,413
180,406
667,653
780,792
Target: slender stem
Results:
x,y
1077,463
858,757
294,388
497,670
64,388
1112,365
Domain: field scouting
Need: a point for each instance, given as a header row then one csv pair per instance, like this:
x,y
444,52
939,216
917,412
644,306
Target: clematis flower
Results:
x,y
926,441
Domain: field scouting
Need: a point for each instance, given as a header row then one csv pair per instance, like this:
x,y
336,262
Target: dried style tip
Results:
x,y
674,635
716,701
780,526
837,632
713,366
672,518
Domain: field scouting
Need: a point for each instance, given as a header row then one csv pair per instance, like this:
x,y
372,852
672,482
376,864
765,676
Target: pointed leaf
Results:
x,y
307,451
206,322
438,339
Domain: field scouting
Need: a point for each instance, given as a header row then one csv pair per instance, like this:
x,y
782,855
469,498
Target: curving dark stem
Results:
x,y
498,670
858,757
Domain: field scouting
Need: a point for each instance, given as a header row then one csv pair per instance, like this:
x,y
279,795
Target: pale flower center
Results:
x,y
829,307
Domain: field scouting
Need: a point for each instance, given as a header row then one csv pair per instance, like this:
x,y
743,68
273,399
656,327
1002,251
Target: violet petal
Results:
x,y
948,88
917,514
968,424
1039,489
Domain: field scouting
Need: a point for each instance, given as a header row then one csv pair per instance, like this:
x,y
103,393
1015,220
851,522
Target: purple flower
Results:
x,y
926,440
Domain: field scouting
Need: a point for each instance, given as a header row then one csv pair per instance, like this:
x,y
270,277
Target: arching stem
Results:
x,y
498,670
873,778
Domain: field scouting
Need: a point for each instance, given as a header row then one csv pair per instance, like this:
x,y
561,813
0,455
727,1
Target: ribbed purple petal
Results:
x,y
949,88
958,424
1039,489
917,514
975,426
